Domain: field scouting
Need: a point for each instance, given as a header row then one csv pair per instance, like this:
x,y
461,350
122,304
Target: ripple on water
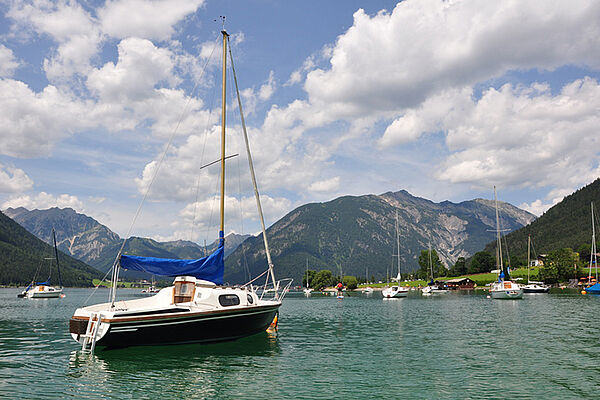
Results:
x,y
453,346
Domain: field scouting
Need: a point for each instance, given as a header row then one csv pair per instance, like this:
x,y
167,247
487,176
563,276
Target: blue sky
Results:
x,y
442,98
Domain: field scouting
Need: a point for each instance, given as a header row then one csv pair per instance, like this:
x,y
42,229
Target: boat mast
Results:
x,y
593,259
430,264
307,273
499,247
223,112
398,243
56,255
528,255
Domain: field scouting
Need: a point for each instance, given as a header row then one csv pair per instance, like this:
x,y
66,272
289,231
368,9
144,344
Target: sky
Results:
x,y
104,103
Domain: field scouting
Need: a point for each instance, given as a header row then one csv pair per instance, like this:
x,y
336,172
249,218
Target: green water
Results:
x,y
456,346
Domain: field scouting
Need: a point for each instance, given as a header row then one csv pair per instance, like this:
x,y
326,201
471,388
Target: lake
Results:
x,y
454,346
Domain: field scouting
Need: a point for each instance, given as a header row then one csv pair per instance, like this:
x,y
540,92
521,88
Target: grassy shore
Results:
x,y
479,279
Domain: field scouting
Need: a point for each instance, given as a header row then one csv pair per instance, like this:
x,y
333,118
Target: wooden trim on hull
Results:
x,y
190,328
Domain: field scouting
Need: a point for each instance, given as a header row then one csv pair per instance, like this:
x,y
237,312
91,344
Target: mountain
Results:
x,y
567,224
93,243
352,233
22,254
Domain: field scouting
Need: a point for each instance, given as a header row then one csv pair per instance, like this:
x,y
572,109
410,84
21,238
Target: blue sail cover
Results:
x,y
210,268
595,289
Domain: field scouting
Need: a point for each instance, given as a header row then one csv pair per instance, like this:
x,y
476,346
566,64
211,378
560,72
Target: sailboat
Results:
x,y
43,290
307,290
396,291
503,288
595,288
533,286
432,288
197,308
151,289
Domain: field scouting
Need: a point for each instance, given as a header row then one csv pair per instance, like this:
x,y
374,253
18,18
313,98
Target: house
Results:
x,y
460,284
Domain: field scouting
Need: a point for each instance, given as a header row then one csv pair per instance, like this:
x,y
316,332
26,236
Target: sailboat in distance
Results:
x,y
307,290
43,290
503,288
396,291
533,286
197,308
432,288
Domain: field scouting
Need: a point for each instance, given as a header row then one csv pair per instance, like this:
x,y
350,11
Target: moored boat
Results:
x,y
396,291
503,288
533,286
433,287
44,290
197,308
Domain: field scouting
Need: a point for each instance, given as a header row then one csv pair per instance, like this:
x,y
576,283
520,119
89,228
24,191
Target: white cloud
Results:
x,y
8,62
44,200
396,60
151,19
327,185
268,88
31,123
66,22
525,136
203,216
14,180
141,66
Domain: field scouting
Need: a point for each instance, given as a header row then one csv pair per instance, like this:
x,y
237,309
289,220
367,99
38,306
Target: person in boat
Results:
x,y
340,289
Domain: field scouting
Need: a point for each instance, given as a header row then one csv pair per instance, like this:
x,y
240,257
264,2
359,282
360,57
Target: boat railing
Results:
x,y
278,291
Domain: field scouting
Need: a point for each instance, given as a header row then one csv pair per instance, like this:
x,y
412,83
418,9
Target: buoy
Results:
x,y
583,291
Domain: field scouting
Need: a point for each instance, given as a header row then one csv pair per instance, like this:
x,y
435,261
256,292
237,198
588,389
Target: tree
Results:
x,y
322,279
350,282
560,266
481,262
437,266
459,268
584,252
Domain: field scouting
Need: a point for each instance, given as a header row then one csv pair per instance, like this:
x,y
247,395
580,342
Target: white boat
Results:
x,y
533,286
43,290
307,290
197,308
396,291
151,289
503,288
432,288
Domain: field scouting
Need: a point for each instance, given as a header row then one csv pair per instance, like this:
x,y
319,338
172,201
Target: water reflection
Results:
x,y
174,371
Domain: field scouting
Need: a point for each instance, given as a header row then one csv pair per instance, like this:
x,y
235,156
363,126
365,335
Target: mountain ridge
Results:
x,y
350,233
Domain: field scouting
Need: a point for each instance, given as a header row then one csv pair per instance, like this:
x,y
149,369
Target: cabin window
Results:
x,y
250,299
227,300
183,292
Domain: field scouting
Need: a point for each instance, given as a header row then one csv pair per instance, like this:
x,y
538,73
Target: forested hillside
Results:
x,y
22,254
566,225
